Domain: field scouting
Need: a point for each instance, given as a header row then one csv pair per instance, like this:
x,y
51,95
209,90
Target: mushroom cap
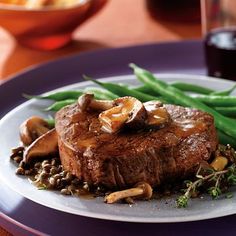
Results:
x,y
147,190
85,100
44,146
135,110
32,128
128,112
112,120
101,105
141,190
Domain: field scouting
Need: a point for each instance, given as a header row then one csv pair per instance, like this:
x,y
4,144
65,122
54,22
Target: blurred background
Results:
x,y
111,23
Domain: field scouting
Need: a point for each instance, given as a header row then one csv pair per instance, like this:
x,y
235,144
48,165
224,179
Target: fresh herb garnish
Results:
x,y
217,181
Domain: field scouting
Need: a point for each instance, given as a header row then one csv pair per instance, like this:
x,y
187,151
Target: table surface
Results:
x,y
120,23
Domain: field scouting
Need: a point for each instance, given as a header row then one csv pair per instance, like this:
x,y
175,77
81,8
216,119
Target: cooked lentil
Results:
x,y
49,174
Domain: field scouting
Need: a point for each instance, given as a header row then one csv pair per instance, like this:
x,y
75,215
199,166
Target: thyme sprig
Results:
x,y
219,179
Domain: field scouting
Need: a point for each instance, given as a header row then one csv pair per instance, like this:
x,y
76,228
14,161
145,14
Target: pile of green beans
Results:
x,y
179,85
123,90
58,96
217,100
220,104
225,125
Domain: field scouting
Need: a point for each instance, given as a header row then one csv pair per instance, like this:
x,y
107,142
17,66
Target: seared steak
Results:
x,y
120,160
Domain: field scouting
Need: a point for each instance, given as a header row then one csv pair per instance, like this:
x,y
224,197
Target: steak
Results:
x,y
120,160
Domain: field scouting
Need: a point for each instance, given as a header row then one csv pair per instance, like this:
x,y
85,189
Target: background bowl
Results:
x,y
46,28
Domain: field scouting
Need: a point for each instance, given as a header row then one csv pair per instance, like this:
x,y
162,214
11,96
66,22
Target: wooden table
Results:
x,y
120,23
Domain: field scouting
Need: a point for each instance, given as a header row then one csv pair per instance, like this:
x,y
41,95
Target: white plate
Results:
x,y
142,211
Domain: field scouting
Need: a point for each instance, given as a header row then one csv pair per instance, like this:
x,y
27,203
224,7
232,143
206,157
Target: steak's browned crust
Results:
x,y
123,159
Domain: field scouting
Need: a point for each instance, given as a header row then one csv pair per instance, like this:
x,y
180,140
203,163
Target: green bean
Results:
x,y
169,92
217,101
187,87
58,96
101,94
227,111
51,122
124,91
98,93
224,92
60,104
145,89
191,87
225,139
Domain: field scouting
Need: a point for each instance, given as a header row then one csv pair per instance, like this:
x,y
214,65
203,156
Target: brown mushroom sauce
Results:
x,y
125,112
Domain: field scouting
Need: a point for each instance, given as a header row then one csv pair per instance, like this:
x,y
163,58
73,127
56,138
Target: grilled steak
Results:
x,y
122,159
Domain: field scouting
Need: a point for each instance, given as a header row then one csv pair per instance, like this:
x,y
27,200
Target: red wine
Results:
x,y
181,10
220,50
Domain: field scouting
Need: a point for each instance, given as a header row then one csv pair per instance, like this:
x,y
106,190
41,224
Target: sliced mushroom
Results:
x,y
219,163
101,105
45,145
87,101
142,191
112,120
157,115
128,112
32,128
17,151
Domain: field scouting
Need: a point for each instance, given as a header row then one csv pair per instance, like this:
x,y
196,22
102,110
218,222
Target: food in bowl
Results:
x,y
34,4
46,27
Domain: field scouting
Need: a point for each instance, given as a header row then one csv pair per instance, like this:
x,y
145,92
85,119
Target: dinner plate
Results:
x,y
155,211
21,216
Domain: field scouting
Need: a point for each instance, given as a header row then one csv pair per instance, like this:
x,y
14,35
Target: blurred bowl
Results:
x,y
46,28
